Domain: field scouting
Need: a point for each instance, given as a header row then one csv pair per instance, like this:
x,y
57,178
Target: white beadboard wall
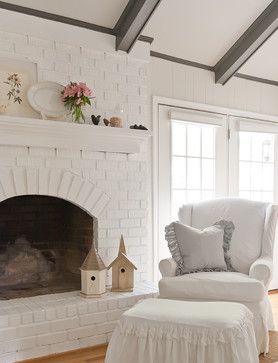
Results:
x,y
179,81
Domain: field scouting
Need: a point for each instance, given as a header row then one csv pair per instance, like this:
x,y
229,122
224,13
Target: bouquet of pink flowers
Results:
x,y
75,96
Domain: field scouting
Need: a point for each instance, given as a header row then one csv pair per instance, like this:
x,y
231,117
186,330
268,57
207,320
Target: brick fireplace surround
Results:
x,y
100,170
109,186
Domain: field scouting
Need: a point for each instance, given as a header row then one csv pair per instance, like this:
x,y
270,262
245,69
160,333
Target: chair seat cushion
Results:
x,y
229,286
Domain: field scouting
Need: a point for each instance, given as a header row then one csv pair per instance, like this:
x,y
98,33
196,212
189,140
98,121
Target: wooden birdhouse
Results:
x,y
122,271
93,275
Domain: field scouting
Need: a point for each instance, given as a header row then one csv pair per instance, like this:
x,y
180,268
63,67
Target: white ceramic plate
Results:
x,y
45,97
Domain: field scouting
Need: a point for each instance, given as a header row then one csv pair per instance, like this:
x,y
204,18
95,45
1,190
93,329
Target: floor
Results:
x,y
97,354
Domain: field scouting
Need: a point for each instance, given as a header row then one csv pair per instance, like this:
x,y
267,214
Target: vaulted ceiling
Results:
x,y
199,31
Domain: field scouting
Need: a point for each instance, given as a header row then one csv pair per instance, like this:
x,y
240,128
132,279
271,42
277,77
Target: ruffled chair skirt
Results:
x,y
139,339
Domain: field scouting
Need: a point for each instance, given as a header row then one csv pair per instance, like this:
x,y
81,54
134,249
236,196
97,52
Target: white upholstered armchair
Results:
x,y
251,256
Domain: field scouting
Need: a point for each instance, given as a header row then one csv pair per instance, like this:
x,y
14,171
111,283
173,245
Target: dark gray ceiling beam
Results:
x,y
253,38
132,22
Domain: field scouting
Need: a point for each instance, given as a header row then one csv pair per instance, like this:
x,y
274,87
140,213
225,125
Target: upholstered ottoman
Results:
x,y
164,331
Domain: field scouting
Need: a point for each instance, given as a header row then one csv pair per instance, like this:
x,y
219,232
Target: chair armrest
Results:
x,y
261,270
168,267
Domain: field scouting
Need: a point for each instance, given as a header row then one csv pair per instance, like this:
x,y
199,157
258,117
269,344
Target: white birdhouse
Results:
x,y
122,271
93,275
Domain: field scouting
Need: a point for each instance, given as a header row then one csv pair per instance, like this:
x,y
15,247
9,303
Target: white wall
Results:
x,y
178,81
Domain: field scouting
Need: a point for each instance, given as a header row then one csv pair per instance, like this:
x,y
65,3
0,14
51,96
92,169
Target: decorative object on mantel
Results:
x,y
95,119
14,83
75,96
122,270
116,122
16,76
106,122
140,127
45,98
93,275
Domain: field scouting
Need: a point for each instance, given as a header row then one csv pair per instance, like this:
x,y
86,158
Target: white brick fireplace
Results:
x,y
69,161
104,172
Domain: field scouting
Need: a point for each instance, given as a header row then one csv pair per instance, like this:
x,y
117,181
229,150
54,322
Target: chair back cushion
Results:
x,y
248,218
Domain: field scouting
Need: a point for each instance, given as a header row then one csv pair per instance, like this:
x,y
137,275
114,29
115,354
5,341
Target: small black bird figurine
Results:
x,y
95,119
136,127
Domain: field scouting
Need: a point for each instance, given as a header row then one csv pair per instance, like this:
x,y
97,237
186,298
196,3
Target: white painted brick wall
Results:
x,y
42,325
119,82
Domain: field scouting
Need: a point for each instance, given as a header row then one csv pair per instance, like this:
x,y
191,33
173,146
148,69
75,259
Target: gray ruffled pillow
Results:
x,y
200,251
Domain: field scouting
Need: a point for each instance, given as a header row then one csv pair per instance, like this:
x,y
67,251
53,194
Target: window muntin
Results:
x,y
256,166
192,162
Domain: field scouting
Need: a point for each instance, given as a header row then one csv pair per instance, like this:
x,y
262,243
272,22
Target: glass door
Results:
x,y
192,162
253,153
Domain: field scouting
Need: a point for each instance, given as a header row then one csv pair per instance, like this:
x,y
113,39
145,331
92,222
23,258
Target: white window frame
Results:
x,y
166,116
232,189
237,124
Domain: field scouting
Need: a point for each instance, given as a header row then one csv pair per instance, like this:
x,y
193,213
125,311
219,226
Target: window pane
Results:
x,y
193,196
256,173
194,173
207,174
245,195
268,148
267,196
245,146
256,148
256,196
178,199
244,175
193,140
267,182
208,142
207,194
178,172
256,176
178,138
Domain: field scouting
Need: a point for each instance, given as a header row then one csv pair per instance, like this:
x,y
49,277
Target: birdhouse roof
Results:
x,y
122,258
122,248
93,261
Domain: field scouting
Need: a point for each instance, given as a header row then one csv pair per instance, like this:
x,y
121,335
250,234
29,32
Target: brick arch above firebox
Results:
x,y
53,182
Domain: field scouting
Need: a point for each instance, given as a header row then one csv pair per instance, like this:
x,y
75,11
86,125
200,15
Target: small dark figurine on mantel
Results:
x,y
136,127
95,119
106,122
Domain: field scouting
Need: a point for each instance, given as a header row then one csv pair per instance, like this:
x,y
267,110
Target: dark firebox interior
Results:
x,y
43,242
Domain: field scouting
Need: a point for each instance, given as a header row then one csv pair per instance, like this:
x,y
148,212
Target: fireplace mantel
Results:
x,y
44,133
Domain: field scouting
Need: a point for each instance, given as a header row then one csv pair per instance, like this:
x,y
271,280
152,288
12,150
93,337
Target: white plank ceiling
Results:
x,y
196,30
100,12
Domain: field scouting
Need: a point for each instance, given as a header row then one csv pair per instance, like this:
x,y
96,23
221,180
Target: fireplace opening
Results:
x,y
43,242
